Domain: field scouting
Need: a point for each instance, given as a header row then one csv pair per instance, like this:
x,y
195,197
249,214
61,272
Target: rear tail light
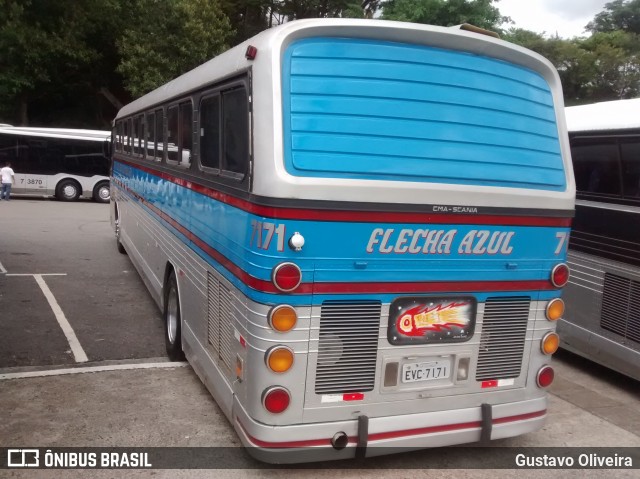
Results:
x,y
279,359
276,399
286,277
282,318
545,376
560,275
555,309
550,343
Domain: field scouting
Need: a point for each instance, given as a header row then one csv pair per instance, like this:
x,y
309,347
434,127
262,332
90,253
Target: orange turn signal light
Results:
x,y
555,309
550,343
279,359
282,318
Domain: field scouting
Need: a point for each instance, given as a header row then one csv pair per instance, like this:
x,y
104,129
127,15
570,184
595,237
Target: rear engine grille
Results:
x,y
219,319
621,307
504,328
348,346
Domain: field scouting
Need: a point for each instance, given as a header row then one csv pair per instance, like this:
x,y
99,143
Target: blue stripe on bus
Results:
x,y
332,249
379,110
316,265
317,299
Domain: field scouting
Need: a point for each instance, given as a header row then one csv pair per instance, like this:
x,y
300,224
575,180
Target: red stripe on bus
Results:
x,y
392,434
356,216
266,286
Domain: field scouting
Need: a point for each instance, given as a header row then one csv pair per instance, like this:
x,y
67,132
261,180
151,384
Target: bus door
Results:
x,y
33,167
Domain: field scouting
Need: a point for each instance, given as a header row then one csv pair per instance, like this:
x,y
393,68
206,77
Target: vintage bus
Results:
x,y
63,163
356,231
602,321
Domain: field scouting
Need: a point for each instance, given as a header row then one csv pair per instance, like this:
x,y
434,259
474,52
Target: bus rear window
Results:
x,y
377,110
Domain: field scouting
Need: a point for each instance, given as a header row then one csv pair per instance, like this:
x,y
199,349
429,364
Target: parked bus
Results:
x,y
356,232
602,322
64,163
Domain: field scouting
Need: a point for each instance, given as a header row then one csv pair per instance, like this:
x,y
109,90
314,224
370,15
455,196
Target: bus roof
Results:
x,y
606,115
64,133
269,42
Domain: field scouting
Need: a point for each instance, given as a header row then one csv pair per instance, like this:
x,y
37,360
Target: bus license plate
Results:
x,y
425,371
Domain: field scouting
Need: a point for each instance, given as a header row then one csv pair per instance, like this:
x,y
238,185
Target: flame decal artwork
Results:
x,y
428,320
420,319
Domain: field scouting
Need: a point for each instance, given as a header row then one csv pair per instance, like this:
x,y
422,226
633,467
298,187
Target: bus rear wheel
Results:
x,y
102,193
68,190
172,327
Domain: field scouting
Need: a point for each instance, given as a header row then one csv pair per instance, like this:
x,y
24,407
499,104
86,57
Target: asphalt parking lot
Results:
x,y
61,278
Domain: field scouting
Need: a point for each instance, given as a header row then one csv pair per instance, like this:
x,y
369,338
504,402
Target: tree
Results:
x,y
480,13
41,42
617,15
169,38
616,65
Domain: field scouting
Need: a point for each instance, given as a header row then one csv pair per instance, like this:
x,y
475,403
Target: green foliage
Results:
x,y
617,15
75,62
605,66
481,13
169,38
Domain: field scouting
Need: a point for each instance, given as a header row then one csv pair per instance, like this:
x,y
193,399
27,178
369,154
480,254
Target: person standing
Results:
x,y
7,180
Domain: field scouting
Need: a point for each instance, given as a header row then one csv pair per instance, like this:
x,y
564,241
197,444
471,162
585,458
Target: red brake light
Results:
x,y
251,52
286,277
560,275
545,376
276,399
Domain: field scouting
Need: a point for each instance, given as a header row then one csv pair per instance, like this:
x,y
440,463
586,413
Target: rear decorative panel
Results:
x,y
504,327
348,346
621,307
219,317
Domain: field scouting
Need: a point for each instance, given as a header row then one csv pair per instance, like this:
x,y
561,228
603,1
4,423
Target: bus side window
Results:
x,y
150,132
630,153
186,130
235,115
139,140
159,135
8,149
596,167
127,136
119,136
210,132
172,134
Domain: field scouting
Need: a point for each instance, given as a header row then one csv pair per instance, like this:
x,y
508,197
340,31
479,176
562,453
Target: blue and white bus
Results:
x,y
357,232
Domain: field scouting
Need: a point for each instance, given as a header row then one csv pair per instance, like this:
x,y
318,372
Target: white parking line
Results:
x,y
78,353
2,270
92,369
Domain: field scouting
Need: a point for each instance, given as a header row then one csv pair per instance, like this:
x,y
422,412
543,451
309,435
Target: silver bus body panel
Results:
x,y
581,331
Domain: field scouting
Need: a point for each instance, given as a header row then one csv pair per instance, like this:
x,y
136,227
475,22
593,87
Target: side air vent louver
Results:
x,y
621,307
219,318
347,346
504,327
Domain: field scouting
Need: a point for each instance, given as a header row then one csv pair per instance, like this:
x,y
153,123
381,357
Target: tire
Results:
x,y
172,326
68,190
102,193
119,244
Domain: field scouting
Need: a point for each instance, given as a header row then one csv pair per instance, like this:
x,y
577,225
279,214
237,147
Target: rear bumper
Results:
x,y
387,435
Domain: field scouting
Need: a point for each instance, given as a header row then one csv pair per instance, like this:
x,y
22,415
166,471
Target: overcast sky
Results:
x,y
566,17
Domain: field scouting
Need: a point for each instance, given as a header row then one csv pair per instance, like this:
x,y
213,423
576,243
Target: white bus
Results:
x,y
603,296
63,163
356,232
